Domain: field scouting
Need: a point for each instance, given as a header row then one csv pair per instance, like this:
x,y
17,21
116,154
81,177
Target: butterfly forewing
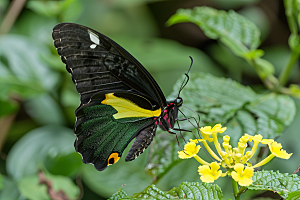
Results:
x,y
96,63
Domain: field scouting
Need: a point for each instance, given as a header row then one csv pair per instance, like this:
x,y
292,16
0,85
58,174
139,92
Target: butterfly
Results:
x,y
120,100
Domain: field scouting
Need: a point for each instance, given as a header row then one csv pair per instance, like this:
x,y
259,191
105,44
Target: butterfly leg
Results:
x,y
185,119
176,138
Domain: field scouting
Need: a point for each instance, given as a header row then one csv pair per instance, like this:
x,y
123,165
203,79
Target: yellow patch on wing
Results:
x,y
113,158
127,108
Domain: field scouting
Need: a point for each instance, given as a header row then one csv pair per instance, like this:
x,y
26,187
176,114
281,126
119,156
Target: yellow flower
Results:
x,y
216,129
276,150
243,177
267,141
226,138
209,173
190,150
196,140
258,138
207,131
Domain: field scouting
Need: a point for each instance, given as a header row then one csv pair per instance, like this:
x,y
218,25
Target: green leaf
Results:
x,y
10,190
119,195
67,10
30,188
293,195
234,30
45,110
195,190
239,108
163,154
292,11
283,184
152,192
130,174
32,150
254,54
64,164
185,190
295,90
273,112
22,71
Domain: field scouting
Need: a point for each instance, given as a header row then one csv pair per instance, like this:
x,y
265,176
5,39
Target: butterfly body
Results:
x,y
120,100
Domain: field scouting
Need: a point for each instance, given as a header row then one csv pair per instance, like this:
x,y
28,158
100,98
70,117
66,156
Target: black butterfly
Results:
x,y
120,100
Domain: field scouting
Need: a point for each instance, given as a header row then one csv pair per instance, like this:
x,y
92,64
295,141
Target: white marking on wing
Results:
x,y
94,38
93,46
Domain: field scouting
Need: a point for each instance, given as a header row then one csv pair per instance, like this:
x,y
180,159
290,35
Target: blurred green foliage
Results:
x,y
38,98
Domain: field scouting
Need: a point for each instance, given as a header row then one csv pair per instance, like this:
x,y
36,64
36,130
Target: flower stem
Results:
x,y
217,144
210,151
200,160
235,188
285,74
264,161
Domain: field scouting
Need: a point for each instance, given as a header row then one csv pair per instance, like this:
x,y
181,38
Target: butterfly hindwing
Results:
x,y
102,136
105,126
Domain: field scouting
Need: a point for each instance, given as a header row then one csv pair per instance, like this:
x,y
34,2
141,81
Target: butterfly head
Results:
x,y
178,101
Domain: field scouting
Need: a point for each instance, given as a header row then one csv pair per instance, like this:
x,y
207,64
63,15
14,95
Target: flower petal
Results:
x,y
243,177
214,166
245,182
209,173
235,176
267,141
276,150
203,169
183,155
207,178
248,172
190,150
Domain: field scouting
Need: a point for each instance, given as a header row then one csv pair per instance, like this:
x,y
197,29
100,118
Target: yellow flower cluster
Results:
x,y
232,159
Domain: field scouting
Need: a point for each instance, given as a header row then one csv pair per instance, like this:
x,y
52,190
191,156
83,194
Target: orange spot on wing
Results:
x,y
113,158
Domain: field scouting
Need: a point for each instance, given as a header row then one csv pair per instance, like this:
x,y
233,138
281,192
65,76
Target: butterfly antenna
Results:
x,y
186,79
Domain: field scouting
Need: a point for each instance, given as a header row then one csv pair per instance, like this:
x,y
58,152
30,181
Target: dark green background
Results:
x,y
38,98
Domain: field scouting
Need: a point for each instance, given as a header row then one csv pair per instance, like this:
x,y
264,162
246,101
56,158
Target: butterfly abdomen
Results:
x,y
141,142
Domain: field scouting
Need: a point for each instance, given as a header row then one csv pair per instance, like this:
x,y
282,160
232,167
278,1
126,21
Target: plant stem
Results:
x,y
14,10
285,74
242,190
235,188
270,81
